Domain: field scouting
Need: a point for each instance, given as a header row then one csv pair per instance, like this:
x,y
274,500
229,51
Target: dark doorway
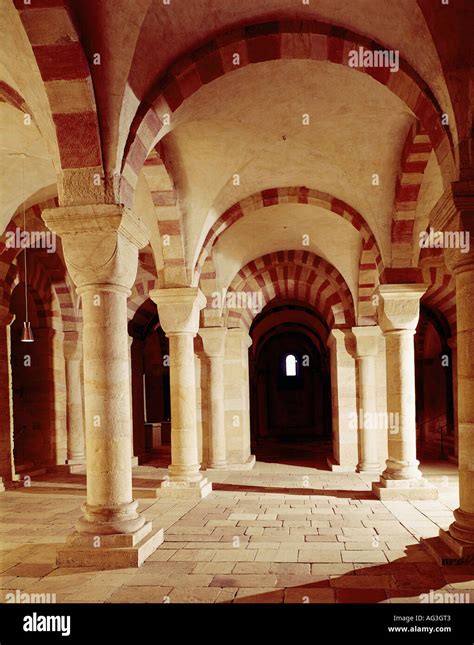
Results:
x,y
289,382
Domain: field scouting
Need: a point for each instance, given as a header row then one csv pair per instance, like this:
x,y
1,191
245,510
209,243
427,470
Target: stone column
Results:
x,y
343,401
213,339
237,400
7,471
178,310
366,346
398,313
100,244
134,458
74,410
137,398
454,214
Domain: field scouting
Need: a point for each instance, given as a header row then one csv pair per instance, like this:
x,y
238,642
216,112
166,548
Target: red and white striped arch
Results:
x,y
414,159
52,263
65,71
302,40
370,263
168,215
294,275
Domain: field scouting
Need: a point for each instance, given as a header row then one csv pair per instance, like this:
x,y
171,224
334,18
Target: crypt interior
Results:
x,y
236,283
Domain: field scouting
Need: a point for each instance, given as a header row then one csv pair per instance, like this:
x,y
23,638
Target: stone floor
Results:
x,y
283,532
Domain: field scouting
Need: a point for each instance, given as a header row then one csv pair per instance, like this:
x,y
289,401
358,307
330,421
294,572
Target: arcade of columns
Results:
x,y
101,244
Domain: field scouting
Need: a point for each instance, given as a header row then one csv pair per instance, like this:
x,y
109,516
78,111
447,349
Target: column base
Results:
x,y
404,489
71,466
2,485
176,489
218,466
369,469
134,461
117,551
447,551
340,468
245,465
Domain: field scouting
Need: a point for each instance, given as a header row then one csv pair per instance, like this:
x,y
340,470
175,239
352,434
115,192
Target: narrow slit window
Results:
x,y
290,365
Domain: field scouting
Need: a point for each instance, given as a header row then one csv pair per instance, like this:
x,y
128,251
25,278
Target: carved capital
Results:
x,y
399,306
100,243
213,340
178,308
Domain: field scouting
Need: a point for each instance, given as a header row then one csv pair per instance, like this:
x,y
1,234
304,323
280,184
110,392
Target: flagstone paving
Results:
x,y
279,533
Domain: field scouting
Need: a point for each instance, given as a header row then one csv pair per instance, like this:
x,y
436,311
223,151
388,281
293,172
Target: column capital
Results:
x,y
366,340
100,243
399,306
243,333
178,308
213,340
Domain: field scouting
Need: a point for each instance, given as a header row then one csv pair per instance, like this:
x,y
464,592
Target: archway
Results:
x,y
434,387
290,402
32,387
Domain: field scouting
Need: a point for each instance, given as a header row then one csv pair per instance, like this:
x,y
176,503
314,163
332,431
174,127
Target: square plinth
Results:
x,y
114,552
184,490
447,551
246,465
404,489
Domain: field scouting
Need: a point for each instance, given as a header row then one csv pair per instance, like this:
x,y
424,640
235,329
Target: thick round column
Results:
x,y
74,408
184,449
402,462
366,350
213,339
398,317
178,311
110,507
368,445
100,244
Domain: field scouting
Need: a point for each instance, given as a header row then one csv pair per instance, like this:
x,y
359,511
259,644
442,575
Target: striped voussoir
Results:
x,y
290,40
293,275
168,215
370,265
52,263
415,156
65,71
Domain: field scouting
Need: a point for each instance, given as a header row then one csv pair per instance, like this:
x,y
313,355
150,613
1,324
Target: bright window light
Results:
x,y
290,364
